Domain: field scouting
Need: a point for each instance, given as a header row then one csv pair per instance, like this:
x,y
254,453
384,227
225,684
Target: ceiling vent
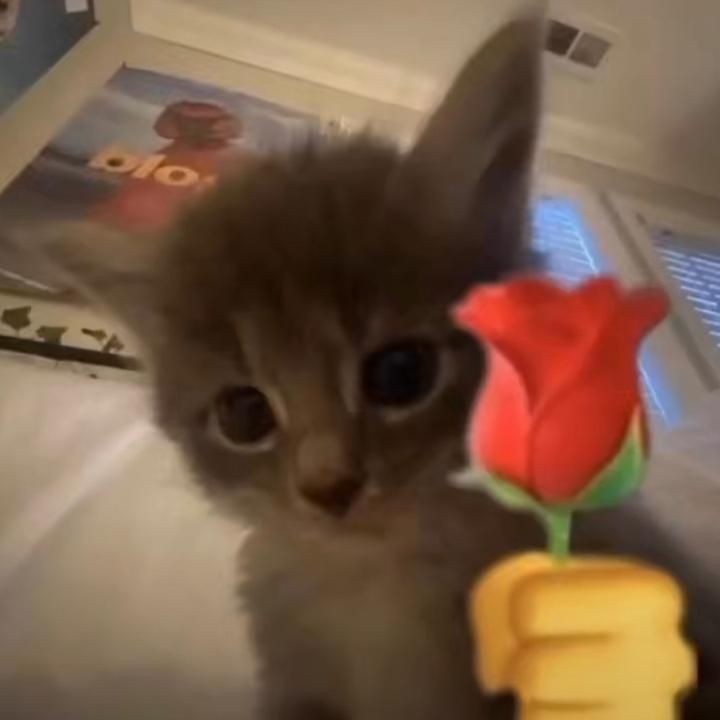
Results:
x,y
583,46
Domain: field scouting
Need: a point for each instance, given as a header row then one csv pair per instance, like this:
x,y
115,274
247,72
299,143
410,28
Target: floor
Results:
x,y
115,578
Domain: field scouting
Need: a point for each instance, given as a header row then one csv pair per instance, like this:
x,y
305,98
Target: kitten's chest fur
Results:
x,y
365,622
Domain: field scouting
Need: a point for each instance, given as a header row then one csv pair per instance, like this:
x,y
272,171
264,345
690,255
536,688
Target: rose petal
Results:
x,y
541,328
581,434
500,426
491,310
581,430
644,309
598,298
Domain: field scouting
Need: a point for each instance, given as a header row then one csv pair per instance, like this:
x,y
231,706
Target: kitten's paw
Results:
x,y
591,639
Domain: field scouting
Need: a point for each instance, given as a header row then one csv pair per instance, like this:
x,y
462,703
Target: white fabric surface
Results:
x,y
116,580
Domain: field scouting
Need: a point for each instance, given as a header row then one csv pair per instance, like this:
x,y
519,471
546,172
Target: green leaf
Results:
x,y
555,518
502,490
621,477
618,479
469,478
510,495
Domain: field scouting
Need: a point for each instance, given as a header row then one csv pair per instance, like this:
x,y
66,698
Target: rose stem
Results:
x,y
559,523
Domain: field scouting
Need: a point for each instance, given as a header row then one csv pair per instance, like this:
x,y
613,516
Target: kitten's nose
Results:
x,y
328,476
334,495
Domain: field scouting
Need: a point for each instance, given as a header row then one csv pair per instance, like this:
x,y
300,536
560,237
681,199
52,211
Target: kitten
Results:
x,y
296,326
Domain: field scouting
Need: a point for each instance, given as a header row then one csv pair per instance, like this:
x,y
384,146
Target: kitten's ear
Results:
x,y
108,267
469,170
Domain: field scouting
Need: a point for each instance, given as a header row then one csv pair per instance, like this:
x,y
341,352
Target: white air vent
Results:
x,y
578,44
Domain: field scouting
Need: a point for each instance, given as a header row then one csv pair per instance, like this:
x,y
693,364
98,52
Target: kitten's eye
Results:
x,y
401,374
243,416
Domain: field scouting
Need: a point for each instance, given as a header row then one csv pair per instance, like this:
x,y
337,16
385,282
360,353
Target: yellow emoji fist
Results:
x,y
592,638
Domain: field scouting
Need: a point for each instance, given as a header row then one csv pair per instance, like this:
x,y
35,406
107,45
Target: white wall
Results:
x,y
392,119
27,126
652,109
46,107
603,178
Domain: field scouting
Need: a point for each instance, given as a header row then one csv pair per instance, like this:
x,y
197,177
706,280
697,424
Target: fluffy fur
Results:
x,y
286,277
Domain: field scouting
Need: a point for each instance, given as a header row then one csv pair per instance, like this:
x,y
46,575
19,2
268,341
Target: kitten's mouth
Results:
x,y
341,503
370,513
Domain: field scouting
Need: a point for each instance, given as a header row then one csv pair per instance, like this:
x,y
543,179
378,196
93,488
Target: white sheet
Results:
x,y
116,581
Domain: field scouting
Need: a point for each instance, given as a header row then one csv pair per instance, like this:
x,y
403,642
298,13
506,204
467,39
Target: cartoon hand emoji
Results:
x,y
591,639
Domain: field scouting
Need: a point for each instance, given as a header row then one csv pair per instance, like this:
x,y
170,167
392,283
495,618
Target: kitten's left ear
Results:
x,y
108,267
469,170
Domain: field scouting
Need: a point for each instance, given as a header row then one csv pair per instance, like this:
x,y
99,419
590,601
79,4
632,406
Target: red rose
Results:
x,y
563,388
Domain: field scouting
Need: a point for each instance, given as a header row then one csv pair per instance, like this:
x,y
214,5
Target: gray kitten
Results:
x,y
296,326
